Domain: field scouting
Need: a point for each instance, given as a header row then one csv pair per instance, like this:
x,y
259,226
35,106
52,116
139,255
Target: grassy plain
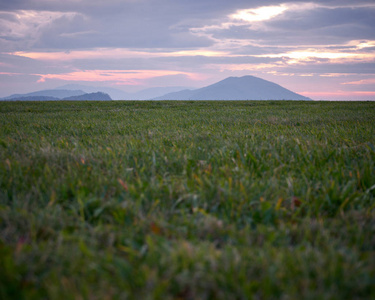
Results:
x,y
187,200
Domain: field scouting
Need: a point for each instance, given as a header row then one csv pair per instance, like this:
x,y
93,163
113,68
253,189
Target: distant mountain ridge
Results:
x,y
34,98
38,96
99,96
117,94
237,88
57,93
232,88
151,93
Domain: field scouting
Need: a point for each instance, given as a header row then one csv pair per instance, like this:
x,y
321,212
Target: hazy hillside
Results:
x,y
99,96
33,98
115,94
154,92
52,94
232,88
181,95
237,88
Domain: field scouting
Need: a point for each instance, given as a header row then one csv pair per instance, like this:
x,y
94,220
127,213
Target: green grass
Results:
x,y
187,200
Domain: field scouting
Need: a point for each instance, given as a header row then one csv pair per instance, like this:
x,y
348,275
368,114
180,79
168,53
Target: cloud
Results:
x,y
23,28
128,77
24,65
105,53
258,14
133,24
295,24
109,40
175,24
332,68
361,82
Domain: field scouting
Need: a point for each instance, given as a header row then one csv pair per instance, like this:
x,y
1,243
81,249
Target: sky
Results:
x,y
320,49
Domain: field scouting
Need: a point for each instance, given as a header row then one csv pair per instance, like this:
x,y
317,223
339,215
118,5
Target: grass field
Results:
x,y
187,200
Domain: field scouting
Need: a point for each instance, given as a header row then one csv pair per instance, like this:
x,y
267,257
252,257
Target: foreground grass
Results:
x,y
187,200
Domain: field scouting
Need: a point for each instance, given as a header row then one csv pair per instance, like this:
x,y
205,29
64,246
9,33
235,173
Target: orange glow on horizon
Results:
x,y
337,95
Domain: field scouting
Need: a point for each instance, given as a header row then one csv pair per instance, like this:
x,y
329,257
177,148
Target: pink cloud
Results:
x,y
125,77
108,53
360,82
10,74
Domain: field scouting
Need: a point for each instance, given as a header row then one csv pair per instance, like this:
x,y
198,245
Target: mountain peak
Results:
x,y
237,88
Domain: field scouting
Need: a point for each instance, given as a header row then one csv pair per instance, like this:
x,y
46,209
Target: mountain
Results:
x,y
33,98
237,88
73,90
99,96
154,92
232,88
180,95
115,94
52,94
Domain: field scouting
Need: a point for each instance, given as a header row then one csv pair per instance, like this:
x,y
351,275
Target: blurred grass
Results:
x,y
187,200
